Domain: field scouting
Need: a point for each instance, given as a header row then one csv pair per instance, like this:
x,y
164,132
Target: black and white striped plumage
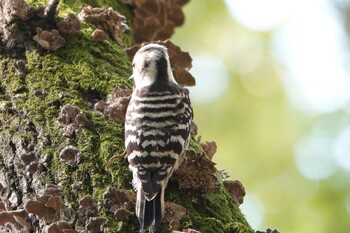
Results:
x,y
157,128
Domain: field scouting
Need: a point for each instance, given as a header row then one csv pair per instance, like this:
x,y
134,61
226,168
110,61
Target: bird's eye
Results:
x,y
146,64
133,65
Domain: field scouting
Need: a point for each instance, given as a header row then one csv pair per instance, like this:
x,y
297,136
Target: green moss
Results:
x,y
69,76
14,84
238,227
67,6
220,206
36,2
210,225
79,71
210,212
83,65
75,5
194,145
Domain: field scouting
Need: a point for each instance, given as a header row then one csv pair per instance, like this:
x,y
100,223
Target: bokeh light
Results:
x,y
212,78
313,157
347,203
311,47
254,210
341,149
309,42
273,91
260,15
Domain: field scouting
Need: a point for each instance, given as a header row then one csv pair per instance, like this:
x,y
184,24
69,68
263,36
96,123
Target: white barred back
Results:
x,y
157,129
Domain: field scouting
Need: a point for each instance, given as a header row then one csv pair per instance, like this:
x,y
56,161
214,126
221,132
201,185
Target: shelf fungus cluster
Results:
x,y
70,155
116,104
50,40
13,218
236,190
173,215
72,118
108,23
21,25
69,25
88,210
31,162
121,202
156,19
198,173
268,230
44,209
47,207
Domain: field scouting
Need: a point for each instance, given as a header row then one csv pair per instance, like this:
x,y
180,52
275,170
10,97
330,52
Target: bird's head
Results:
x,y
151,65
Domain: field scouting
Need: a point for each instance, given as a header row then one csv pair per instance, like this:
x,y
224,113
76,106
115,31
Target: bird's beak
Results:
x,y
131,77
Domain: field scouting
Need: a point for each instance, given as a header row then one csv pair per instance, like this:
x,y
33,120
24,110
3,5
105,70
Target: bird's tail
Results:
x,y
150,212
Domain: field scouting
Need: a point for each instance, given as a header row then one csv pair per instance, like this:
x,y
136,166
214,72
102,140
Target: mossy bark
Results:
x,y
80,73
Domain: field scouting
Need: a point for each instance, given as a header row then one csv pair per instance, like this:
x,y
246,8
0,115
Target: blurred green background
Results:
x,y
273,91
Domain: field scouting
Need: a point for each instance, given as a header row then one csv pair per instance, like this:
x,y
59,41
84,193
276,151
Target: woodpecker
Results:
x,y
157,129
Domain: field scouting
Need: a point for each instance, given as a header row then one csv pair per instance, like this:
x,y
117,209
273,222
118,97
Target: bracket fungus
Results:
x,y
268,231
122,214
50,40
106,19
51,190
99,35
119,201
72,118
70,155
30,160
88,206
173,214
196,173
156,19
47,208
15,217
69,25
174,225
19,22
95,224
209,149
236,190
20,68
29,157
60,227
116,104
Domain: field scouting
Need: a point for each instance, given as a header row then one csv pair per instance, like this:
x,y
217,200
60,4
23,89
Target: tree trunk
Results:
x,y
61,122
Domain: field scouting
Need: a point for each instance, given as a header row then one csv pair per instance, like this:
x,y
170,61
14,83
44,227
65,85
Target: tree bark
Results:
x,y
56,140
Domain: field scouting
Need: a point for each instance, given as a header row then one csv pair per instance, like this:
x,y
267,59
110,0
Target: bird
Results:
x,y
157,131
